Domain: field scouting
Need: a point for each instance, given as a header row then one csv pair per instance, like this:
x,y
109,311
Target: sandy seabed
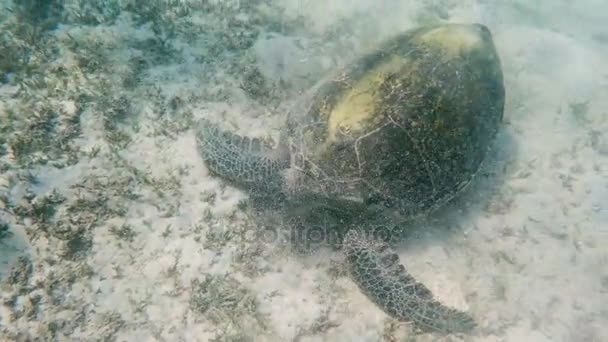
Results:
x,y
112,228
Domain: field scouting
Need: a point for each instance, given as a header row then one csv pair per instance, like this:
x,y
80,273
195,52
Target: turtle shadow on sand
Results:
x,y
372,149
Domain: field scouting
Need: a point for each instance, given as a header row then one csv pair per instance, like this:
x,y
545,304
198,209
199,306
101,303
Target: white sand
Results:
x,y
526,249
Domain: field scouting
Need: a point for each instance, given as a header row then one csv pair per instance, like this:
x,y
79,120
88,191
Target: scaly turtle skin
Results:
x,y
398,132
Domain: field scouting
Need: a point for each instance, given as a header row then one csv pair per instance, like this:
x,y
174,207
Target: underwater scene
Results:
x,y
304,170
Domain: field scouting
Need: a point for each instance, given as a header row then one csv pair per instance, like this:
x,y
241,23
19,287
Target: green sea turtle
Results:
x,y
394,135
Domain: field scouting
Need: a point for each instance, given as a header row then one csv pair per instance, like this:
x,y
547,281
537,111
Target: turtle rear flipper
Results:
x,y
246,161
375,268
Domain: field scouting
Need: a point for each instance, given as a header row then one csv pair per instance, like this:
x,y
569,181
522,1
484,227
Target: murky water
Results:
x,y
113,228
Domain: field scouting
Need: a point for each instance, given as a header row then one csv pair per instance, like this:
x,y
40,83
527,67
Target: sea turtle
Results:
x,y
395,134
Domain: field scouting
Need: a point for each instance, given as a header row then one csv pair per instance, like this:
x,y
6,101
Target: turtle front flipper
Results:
x,y
375,268
245,161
